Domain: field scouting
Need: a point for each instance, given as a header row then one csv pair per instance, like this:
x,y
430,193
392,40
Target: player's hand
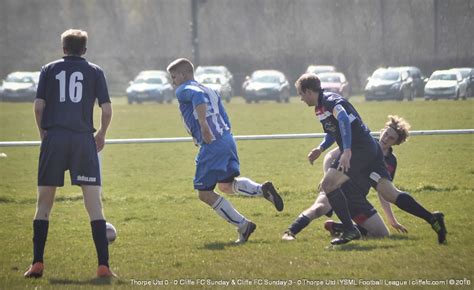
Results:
x,y
206,134
99,141
399,227
345,160
314,154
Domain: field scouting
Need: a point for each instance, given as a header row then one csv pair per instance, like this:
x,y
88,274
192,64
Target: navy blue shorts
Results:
x,y
359,207
366,161
63,150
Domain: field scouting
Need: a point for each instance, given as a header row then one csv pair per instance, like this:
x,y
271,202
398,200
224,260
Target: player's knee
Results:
x,y
226,187
328,185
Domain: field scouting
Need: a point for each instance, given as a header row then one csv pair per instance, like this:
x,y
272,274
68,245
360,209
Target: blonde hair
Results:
x,y
400,125
182,65
74,41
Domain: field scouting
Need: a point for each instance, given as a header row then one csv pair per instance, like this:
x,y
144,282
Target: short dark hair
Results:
x,y
74,41
181,65
308,81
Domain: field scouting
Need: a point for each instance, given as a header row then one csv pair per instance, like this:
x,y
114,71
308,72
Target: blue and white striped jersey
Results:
x,y
190,94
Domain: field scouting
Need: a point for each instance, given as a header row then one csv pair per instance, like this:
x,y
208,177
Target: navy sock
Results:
x,y
300,223
407,203
40,233
99,235
338,202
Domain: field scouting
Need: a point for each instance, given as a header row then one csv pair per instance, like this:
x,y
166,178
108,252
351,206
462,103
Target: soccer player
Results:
x,y
67,91
360,154
362,212
217,162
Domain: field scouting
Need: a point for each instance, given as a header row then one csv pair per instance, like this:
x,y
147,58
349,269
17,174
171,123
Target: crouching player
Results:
x,y
362,212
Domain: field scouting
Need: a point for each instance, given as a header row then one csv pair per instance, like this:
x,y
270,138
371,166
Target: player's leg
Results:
x,y
332,182
407,203
44,204
375,226
319,208
225,210
232,184
85,172
52,163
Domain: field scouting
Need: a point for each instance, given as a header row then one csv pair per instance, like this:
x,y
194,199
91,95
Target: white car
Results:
x,y
445,84
20,86
218,83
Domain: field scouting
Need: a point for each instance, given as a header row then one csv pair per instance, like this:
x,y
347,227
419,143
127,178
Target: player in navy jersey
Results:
x,y
362,212
217,162
361,157
67,91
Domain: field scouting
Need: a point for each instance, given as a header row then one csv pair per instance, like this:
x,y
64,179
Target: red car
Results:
x,y
335,82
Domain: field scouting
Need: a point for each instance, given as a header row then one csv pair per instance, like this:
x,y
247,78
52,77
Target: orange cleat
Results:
x,y
35,270
105,272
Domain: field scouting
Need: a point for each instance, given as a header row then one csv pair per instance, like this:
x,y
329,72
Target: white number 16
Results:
x,y
75,86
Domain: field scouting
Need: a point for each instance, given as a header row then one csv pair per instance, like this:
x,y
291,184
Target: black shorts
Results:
x,y
367,164
359,207
63,150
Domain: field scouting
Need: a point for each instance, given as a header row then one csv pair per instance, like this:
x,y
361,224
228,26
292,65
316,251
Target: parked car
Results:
x,y
418,79
267,85
335,82
468,76
317,69
216,70
389,83
445,84
152,85
218,83
20,86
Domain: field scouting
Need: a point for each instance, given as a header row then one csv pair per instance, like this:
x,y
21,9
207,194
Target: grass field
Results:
x,y
166,233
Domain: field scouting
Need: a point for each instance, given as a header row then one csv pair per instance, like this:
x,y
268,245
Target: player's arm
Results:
x,y
105,119
201,111
346,135
387,208
38,107
316,152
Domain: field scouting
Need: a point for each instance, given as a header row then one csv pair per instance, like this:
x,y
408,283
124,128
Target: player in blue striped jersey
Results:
x,y
217,162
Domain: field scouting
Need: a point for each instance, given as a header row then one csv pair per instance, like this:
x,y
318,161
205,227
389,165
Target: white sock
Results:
x,y
225,210
245,186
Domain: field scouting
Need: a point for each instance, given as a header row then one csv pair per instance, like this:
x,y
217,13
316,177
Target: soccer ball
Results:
x,y
111,232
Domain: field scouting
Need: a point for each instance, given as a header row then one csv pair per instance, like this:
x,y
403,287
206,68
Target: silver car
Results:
x,y
152,85
445,84
20,86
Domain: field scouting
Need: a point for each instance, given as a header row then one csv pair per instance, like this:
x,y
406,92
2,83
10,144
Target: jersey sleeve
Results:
x,y
41,90
198,97
102,91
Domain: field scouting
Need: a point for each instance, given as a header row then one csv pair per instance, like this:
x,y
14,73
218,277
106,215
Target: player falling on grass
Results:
x,y
67,91
362,212
217,162
361,158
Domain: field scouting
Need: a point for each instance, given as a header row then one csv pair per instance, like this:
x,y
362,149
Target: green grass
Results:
x,y
165,232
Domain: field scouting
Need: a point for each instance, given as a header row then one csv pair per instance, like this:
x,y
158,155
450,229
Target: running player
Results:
x,y
67,91
217,162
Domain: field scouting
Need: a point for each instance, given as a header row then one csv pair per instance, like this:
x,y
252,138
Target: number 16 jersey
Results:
x,y
69,87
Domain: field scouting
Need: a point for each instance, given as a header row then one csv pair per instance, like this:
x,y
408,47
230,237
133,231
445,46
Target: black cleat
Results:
x,y
270,194
347,236
245,233
439,227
